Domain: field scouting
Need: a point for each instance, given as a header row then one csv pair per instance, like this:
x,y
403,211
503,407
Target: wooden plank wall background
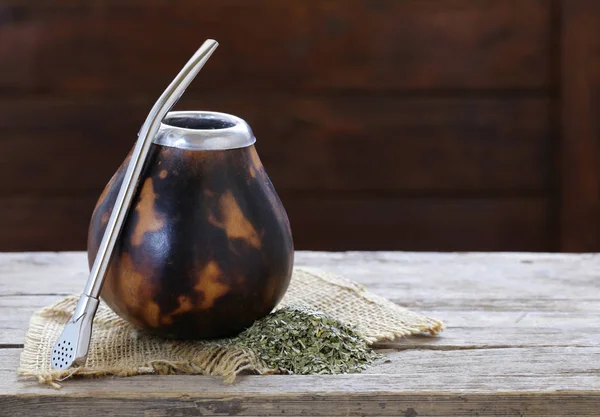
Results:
x,y
384,124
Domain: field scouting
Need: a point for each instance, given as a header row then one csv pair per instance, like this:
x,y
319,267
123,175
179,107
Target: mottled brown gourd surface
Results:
x,y
206,248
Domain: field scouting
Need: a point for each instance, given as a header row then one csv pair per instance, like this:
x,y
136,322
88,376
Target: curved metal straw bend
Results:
x,y
149,129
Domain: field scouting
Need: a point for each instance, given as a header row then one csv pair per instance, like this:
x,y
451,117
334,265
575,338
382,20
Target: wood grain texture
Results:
x,y
473,329
335,45
333,222
423,147
405,145
419,223
522,339
45,222
359,100
580,111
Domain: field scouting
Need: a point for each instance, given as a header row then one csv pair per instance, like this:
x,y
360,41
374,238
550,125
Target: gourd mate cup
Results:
x,y
206,248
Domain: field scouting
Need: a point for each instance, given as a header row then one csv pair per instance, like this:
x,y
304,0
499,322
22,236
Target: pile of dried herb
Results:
x,y
303,341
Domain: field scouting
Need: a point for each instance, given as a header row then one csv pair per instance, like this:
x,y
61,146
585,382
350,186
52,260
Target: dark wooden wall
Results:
x,y
384,124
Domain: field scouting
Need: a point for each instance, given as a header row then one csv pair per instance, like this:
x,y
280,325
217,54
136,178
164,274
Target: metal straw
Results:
x,y
73,344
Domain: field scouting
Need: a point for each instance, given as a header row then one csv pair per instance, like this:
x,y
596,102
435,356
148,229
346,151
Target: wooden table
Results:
x,y
523,339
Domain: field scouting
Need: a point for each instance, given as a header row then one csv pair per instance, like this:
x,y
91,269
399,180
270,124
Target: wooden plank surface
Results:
x,y
334,45
503,329
580,112
444,168
49,222
429,146
523,338
493,224
353,99
46,222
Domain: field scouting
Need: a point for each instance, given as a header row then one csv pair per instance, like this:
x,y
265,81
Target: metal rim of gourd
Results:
x,y
204,131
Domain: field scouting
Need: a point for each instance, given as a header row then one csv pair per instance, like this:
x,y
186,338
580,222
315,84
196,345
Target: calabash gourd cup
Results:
x,y
206,248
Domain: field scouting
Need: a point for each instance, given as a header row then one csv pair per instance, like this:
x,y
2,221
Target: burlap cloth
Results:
x,y
119,348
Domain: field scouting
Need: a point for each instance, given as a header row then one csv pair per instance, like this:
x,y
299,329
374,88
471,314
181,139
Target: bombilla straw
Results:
x,y
149,129
73,345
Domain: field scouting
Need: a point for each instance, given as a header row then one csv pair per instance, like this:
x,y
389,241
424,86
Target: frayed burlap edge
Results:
x,y
375,318
213,359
